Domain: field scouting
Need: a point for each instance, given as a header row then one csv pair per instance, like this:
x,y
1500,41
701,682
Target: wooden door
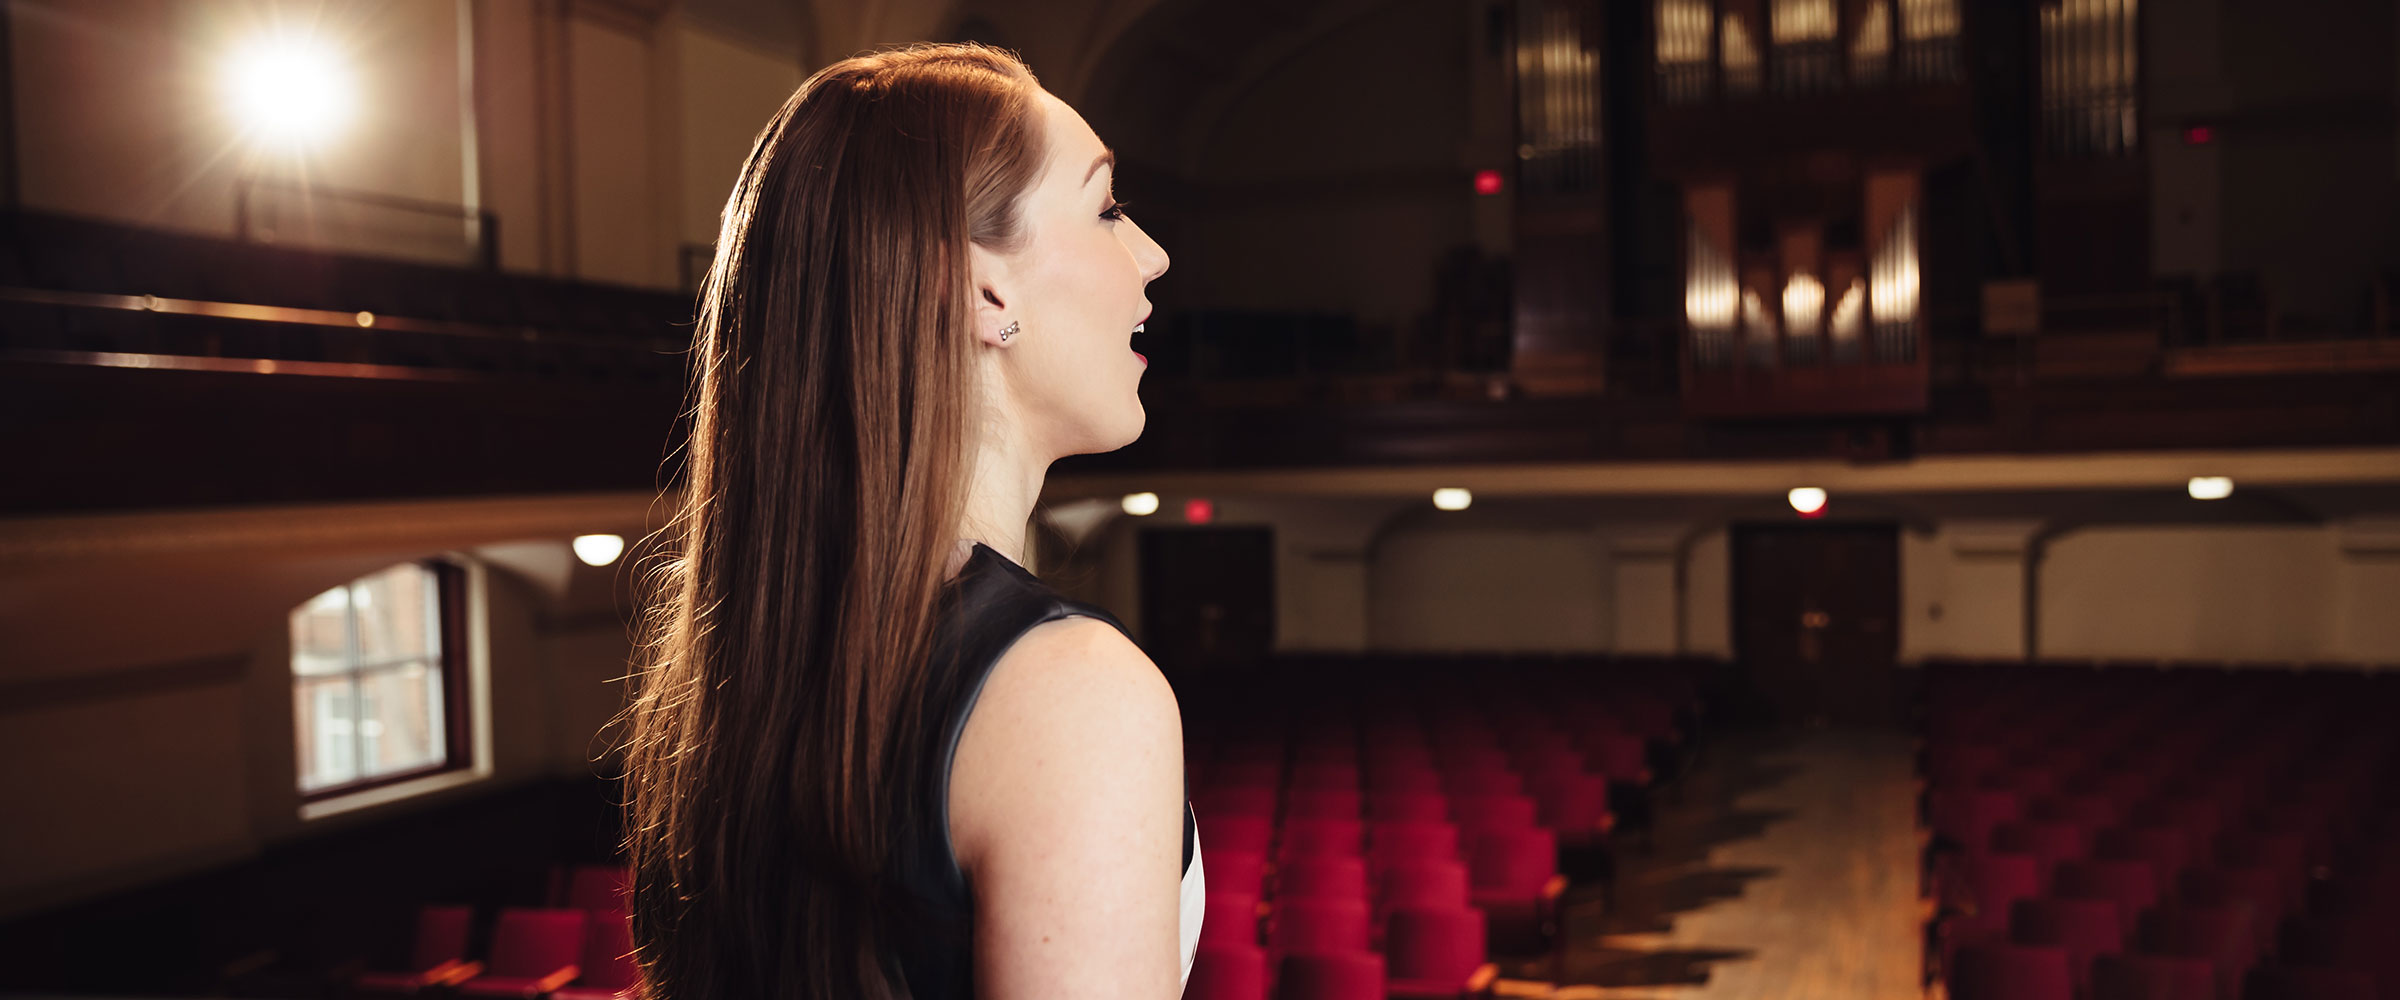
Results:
x,y
1208,595
1816,618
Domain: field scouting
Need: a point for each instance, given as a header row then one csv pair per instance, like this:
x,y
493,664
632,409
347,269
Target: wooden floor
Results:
x,y
1781,866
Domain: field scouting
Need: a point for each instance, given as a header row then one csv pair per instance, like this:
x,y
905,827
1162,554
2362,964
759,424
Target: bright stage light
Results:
x,y
1808,500
2209,487
291,91
1141,504
599,550
1452,498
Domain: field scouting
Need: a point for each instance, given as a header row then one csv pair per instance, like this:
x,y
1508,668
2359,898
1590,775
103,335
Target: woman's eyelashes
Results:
x,y
1115,212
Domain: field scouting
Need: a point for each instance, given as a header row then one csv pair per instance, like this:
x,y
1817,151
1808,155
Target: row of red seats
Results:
x,y
2107,833
579,948
1381,846
1287,893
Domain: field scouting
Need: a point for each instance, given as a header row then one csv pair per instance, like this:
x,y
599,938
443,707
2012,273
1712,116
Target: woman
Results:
x,y
871,755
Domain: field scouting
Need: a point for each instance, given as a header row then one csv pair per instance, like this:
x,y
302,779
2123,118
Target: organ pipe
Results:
x,y
1710,298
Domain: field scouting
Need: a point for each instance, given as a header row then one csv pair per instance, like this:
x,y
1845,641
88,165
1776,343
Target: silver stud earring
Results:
x,y
1008,330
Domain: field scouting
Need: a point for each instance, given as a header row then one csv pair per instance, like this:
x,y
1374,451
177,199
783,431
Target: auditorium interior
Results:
x,y
1713,499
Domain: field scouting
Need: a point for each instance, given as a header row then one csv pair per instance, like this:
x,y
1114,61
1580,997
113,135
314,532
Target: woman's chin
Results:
x,y
1131,430
1141,419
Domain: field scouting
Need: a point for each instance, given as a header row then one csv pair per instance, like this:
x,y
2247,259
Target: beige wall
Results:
x,y
193,768
1390,575
2220,593
1468,588
730,89
1962,590
118,116
1359,207
602,141
2317,244
170,746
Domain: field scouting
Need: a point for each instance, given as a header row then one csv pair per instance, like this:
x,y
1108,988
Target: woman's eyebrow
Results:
x,y
1107,156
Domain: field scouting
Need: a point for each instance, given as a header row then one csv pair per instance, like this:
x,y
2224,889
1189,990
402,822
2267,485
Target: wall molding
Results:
x,y
400,524
2370,537
1936,474
30,694
584,621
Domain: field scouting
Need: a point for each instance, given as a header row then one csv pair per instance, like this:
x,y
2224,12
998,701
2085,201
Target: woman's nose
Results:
x,y
1157,264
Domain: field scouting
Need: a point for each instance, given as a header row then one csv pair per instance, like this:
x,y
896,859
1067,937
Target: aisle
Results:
x,y
1784,870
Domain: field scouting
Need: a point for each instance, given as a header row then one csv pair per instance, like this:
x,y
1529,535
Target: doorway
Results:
x,y
1816,612
1208,596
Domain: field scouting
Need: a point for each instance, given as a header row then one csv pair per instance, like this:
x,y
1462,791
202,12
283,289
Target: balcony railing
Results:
x,y
100,293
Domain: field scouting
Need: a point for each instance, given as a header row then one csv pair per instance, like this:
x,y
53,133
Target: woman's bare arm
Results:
x,y
1066,811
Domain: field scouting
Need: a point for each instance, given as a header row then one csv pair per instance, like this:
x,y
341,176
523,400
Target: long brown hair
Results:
x,y
774,732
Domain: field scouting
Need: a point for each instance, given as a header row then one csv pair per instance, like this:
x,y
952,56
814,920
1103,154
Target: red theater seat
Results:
x,y
2153,977
1437,953
1322,875
1305,837
1228,972
1399,806
2048,843
1254,834
2359,944
1231,918
599,888
609,970
1410,778
1617,756
1574,806
2221,934
1395,843
437,958
1235,800
2270,895
1323,803
2086,928
1481,781
1427,883
1240,773
2164,849
1350,975
1234,871
1967,815
1316,924
2281,983
1993,884
2132,885
2011,972
533,952
1513,878
1493,812
1328,775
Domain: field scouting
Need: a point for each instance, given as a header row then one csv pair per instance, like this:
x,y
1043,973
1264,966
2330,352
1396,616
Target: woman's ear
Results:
x,y
991,306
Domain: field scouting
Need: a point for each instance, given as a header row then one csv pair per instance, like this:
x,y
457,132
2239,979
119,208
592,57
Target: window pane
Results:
x,y
322,708
395,614
321,634
400,718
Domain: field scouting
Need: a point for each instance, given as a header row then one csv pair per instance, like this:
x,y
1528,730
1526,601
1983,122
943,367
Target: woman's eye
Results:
x,y
1115,212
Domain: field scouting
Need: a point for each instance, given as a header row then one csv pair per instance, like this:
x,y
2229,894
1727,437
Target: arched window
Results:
x,y
379,679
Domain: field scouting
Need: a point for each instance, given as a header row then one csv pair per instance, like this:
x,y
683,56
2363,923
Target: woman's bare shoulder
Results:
x,y
1066,813
1073,707
1063,666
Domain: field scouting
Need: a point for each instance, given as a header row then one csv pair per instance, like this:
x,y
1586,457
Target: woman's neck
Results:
x,y
1001,492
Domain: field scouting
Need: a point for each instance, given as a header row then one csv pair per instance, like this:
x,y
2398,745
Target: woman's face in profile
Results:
x,y
1077,291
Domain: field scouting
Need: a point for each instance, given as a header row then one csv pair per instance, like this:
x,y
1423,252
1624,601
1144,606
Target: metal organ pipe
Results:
x,y
1892,290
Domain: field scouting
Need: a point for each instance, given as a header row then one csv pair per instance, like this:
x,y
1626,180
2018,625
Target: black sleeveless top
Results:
x,y
983,610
